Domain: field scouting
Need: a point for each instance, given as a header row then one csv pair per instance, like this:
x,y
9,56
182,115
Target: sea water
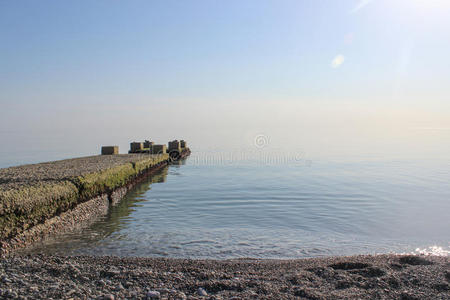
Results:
x,y
274,209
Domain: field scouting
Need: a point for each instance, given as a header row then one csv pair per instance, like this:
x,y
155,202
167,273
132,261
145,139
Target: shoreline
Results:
x,y
105,277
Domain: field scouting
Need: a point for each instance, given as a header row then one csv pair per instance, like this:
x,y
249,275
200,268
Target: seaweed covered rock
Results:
x,y
29,205
147,163
96,183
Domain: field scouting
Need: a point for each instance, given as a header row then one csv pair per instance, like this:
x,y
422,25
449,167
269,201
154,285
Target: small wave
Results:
x,y
198,242
432,250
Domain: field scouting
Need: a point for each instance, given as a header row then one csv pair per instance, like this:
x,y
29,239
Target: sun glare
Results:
x,y
423,6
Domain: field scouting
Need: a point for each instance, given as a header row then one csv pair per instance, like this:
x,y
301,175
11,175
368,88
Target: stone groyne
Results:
x,y
42,199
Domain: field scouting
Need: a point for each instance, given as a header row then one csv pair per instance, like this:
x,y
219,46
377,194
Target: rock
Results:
x,y
128,284
133,294
180,296
74,269
113,272
13,294
108,297
34,288
153,295
164,291
6,280
101,282
202,292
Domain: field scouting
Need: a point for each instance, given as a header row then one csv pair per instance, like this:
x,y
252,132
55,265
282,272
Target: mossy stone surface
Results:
x,y
96,183
153,160
30,205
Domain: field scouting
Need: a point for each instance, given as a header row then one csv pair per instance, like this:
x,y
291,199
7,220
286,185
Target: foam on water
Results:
x,y
433,250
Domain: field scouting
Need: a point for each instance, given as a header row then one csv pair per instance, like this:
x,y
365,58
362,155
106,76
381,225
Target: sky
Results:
x,y
329,77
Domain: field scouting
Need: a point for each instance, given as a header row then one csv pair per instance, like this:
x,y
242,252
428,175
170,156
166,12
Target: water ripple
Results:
x,y
275,212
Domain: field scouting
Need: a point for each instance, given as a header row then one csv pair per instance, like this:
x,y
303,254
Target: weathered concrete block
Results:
x,y
135,147
175,146
159,149
148,144
110,150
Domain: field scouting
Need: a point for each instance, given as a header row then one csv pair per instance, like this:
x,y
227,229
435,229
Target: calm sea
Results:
x,y
268,208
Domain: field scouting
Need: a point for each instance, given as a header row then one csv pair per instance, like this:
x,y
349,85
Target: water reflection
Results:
x,y
102,228
117,216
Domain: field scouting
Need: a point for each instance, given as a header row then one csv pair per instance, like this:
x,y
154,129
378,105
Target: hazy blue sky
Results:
x,y
339,76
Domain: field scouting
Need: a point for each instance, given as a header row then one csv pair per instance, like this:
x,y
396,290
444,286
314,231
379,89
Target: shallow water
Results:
x,y
275,210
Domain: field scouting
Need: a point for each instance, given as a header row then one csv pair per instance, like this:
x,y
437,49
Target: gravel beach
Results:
x,y
356,277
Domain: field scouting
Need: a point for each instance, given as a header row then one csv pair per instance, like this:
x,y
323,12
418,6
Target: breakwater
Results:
x,y
39,200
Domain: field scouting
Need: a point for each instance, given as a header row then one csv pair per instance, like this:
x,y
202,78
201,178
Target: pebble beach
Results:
x,y
356,277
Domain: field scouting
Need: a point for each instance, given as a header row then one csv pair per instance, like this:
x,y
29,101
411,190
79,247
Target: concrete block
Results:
x,y
110,150
135,147
175,146
148,144
159,149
